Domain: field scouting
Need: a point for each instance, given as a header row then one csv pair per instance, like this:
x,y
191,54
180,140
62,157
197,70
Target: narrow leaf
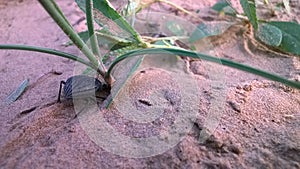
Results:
x,y
48,51
17,93
209,58
91,29
269,34
250,11
290,36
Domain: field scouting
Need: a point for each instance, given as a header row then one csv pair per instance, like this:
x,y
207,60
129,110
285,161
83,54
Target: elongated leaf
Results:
x,y
17,93
269,34
209,58
290,36
106,16
250,11
90,24
49,51
209,29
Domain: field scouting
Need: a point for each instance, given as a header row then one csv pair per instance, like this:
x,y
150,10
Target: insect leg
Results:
x,y
59,93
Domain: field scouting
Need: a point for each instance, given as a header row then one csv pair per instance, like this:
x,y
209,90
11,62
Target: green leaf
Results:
x,y
225,7
106,16
48,51
17,93
290,36
269,34
220,5
250,11
209,58
90,24
209,29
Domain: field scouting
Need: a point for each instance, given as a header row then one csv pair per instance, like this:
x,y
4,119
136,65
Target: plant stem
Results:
x,y
48,51
192,54
93,38
53,10
91,30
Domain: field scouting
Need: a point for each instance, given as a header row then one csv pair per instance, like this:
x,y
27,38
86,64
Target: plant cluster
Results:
x,y
276,35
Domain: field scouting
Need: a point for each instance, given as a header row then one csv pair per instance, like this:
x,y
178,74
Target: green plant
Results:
x,y
276,36
102,12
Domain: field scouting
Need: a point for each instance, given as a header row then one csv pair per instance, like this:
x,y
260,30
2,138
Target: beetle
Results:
x,y
80,86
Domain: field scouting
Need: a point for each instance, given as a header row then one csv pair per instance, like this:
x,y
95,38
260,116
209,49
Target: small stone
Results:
x,y
235,106
247,88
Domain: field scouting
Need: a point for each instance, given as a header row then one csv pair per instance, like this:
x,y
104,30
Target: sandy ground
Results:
x,y
259,124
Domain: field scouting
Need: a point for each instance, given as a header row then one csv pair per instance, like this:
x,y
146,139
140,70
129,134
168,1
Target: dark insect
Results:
x,y
81,86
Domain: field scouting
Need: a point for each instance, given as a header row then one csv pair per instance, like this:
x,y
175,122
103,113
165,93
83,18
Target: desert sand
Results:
x,y
258,125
